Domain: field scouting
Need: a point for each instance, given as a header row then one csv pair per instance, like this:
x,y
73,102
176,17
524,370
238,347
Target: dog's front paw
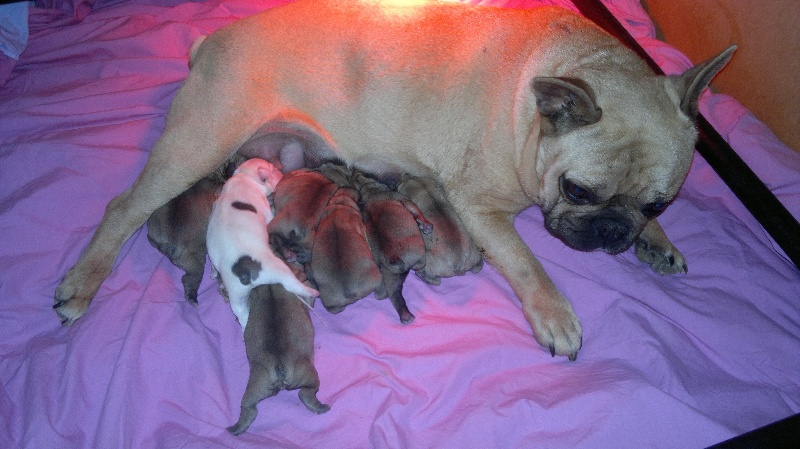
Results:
x,y
556,327
663,259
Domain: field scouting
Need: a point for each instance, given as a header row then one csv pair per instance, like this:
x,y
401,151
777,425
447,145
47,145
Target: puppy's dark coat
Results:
x,y
299,200
342,266
394,227
178,230
449,250
279,339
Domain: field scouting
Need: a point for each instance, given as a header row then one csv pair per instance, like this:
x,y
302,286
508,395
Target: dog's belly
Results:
x,y
287,147
295,147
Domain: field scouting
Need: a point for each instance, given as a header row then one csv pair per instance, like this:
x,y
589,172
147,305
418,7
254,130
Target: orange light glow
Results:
x,y
399,8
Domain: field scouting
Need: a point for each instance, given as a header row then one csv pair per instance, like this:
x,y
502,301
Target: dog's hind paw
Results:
x,y
75,292
69,309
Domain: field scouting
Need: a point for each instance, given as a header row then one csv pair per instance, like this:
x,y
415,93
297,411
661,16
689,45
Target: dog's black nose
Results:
x,y
612,234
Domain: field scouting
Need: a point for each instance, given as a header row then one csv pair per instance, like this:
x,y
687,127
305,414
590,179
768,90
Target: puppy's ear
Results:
x,y
691,83
565,104
263,174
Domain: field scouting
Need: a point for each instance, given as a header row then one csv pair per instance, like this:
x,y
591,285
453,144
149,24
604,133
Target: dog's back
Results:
x,y
279,340
342,265
299,200
392,229
449,248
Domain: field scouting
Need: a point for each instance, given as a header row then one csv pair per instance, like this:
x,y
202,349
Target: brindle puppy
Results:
x,y
178,230
342,266
393,231
279,340
299,200
449,249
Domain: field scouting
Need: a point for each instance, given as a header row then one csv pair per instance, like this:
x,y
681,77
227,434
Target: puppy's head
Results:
x,y
615,148
262,172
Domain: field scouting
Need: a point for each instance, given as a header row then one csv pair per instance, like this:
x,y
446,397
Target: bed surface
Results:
x,y
681,361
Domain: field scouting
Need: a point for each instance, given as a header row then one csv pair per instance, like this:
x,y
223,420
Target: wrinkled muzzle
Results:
x,y
605,230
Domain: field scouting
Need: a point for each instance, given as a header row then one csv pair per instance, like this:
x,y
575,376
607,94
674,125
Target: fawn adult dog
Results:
x,y
505,108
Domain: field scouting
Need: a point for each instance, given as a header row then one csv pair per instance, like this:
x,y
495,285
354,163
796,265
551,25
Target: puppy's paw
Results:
x,y
556,327
191,298
663,259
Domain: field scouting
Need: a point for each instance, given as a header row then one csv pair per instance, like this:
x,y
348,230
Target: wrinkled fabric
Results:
x,y
13,36
681,361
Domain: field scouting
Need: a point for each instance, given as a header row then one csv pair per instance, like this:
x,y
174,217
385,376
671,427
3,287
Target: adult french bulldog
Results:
x,y
505,108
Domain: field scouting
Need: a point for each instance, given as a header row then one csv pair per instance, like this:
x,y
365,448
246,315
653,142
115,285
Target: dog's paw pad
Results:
x,y
74,294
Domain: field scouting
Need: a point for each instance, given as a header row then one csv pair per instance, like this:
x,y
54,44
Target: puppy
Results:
x,y
178,230
279,340
394,230
449,250
342,267
237,238
299,200
540,108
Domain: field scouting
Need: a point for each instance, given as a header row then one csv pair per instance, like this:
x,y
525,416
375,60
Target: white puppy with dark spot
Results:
x,y
237,238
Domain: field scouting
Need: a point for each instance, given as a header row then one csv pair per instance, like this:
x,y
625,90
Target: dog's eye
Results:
x,y
576,194
653,209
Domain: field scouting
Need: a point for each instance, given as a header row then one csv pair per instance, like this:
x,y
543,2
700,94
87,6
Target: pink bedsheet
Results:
x,y
682,361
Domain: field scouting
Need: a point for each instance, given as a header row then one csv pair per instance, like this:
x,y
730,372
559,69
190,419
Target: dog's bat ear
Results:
x,y
565,104
692,82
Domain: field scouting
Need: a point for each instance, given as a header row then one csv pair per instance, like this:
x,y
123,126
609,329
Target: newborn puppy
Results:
x,y
299,200
337,172
393,230
342,265
449,250
279,340
178,230
237,237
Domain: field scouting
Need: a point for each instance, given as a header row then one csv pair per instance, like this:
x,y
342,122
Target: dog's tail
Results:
x,y
307,294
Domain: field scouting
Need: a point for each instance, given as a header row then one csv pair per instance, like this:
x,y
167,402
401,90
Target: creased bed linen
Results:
x,y
681,361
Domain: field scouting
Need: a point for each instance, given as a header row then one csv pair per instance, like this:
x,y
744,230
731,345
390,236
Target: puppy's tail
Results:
x,y
301,290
